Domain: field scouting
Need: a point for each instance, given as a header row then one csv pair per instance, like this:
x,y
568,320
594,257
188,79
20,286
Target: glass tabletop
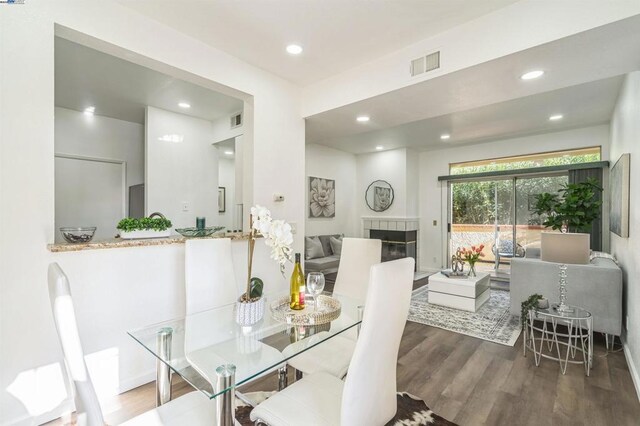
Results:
x,y
576,313
202,342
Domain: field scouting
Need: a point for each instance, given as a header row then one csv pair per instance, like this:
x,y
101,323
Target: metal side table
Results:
x,y
560,346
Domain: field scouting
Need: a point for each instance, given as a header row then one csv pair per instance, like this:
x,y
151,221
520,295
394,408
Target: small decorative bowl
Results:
x,y
79,235
195,232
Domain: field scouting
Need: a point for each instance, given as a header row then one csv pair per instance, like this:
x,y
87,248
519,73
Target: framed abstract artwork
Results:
x,y
322,198
619,196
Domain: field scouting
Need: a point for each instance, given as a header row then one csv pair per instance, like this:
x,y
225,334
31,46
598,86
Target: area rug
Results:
x,y
492,322
412,411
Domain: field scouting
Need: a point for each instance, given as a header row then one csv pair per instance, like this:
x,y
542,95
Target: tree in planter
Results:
x,y
576,204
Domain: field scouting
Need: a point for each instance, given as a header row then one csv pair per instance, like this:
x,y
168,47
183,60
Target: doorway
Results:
x,y
498,214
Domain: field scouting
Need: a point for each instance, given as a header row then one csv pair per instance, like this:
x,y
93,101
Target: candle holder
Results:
x,y
200,222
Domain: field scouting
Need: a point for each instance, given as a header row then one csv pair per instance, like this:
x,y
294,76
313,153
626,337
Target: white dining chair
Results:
x,y
333,357
193,408
210,279
368,396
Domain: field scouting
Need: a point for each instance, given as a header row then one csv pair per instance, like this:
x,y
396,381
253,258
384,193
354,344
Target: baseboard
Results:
x,y
632,368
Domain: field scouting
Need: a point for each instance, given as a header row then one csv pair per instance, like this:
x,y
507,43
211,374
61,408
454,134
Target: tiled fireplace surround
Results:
x,y
407,228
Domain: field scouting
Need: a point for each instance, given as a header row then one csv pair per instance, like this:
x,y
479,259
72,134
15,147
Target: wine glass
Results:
x,y
315,285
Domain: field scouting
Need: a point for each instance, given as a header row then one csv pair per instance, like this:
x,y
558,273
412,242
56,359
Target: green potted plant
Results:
x,y
535,301
154,226
573,208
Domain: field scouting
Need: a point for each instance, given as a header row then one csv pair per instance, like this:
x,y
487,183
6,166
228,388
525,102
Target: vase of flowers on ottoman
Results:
x,y
471,256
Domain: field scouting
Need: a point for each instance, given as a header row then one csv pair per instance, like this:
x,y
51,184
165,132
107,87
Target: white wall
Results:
x,y
105,138
101,137
227,179
433,194
325,162
180,173
625,138
390,166
27,191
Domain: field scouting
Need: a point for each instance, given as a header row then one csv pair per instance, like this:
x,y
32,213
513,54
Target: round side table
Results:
x,y
560,346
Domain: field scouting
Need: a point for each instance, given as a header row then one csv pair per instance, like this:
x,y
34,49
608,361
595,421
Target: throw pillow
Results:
x,y
603,255
336,245
313,248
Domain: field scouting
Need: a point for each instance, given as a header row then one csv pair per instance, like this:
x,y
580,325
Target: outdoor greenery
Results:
x,y
482,202
576,204
132,224
490,201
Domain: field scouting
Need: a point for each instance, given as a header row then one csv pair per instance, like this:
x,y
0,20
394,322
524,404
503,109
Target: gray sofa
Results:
x,y
326,264
597,287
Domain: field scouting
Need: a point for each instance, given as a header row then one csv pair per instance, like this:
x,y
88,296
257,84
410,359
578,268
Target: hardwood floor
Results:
x,y
475,382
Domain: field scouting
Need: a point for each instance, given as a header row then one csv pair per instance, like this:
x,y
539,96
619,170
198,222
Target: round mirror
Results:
x,y
379,195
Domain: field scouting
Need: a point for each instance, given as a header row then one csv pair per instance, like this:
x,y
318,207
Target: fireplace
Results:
x,y
396,244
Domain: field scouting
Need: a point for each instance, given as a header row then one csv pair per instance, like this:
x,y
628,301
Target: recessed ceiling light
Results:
x,y
379,148
532,74
294,49
171,138
228,152
184,105
363,118
90,110
556,117
445,136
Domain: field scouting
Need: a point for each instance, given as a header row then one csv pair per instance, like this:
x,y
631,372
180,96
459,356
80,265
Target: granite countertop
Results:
x,y
142,242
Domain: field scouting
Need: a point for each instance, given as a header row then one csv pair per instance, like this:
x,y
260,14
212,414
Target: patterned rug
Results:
x,y
492,322
412,411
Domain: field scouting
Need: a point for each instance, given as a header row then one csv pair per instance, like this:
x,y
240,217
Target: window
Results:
x,y
557,158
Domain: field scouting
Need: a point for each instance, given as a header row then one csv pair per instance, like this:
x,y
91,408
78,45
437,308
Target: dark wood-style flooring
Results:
x,y
475,382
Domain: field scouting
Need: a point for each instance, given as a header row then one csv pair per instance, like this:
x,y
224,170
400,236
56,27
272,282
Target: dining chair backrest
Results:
x,y
369,395
210,280
357,257
86,400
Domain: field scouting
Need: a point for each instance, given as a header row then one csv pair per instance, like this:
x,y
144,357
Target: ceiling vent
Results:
x,y
425,64
236,120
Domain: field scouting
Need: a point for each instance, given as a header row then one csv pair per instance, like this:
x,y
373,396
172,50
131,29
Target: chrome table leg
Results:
x,y
163,372
225,402
283,380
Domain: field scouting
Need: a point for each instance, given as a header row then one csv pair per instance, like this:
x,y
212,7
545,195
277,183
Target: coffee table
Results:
x,y
465,293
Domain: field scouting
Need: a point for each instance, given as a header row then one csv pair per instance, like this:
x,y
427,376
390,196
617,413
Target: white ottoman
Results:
x,y
465,293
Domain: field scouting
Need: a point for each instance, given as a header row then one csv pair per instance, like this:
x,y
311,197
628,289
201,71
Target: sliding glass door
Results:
x,y
498,214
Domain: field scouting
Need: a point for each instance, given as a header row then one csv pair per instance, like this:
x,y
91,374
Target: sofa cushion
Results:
x,y
336,245
326,243
313,248
322,264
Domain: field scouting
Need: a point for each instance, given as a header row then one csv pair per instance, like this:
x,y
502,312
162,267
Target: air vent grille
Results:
x,y
425,64
236,120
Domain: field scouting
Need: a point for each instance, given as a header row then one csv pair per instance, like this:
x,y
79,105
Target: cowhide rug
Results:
x,y
412,411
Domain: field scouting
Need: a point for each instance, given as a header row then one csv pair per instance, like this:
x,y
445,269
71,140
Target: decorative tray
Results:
x,y
195,232
328,310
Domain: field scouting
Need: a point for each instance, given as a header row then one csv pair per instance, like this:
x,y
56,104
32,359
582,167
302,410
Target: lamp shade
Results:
x,y
571,248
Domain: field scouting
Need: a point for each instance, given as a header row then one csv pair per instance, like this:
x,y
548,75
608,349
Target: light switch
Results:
x,y
185,206
435,222
278,197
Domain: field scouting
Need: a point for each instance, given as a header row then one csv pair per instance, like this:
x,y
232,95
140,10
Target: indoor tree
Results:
x,y
576,204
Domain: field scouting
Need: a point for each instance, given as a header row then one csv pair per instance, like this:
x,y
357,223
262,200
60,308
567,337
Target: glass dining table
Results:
x,y
214,354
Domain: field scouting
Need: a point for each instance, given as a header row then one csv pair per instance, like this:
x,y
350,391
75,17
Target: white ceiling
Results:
x,y
583,105
121,89
336,34
227,145
490,101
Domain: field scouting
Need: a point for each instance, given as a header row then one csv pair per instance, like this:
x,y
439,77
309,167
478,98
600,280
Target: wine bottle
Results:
x,y
296,301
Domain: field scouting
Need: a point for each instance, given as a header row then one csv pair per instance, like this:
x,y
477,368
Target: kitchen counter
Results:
x,y
143,242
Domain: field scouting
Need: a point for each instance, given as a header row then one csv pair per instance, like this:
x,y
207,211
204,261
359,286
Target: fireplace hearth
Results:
x,y
396,244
